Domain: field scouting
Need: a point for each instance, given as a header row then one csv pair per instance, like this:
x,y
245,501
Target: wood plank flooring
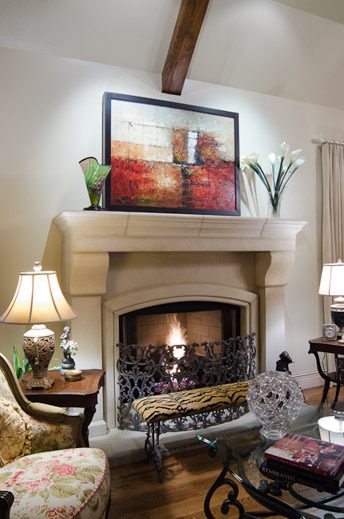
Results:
x,y
136,494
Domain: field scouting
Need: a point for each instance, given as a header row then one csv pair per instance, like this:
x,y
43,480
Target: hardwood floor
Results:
x,y
188,476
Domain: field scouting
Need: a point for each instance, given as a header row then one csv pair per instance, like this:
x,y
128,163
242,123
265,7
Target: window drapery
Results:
x,y
333,202
332,207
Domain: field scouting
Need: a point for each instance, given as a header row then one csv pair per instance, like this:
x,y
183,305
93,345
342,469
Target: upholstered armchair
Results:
x,y
43,461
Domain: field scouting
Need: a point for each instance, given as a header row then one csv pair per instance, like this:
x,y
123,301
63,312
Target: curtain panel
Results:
x,y
333,208
333,202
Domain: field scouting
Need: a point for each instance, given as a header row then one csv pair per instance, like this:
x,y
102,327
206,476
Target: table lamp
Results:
x,y
332,284
38,299
331,428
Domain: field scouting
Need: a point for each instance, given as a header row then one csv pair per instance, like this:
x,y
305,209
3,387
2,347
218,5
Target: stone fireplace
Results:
x,y
115,264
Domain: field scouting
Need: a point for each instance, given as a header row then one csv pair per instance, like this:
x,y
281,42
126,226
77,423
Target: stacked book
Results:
x,y
296,458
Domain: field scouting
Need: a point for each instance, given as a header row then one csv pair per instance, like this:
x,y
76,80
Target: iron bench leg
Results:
x,y
153,449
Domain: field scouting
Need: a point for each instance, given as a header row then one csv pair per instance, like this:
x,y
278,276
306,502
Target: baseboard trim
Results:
x,y
309,380
97,428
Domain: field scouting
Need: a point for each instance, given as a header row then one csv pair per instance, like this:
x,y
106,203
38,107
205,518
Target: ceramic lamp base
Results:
x,y
40,382
39,346
337,316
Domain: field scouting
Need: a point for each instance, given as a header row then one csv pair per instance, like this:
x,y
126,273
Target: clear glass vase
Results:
x,y
274,212
276,399
274,206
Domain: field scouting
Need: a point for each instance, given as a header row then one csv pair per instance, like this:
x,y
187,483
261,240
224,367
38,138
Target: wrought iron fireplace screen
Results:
x,y
147,370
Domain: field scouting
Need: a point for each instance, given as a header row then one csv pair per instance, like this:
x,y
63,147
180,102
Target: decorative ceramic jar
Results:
x,y
276,399
39,356
67,362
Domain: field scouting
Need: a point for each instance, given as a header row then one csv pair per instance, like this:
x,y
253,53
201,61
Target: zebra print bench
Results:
x,y
156,408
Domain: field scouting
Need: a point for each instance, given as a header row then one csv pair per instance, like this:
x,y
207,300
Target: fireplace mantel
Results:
x,y
105,231
263,250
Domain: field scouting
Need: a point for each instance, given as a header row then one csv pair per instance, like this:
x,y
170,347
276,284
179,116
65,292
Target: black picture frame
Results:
x,y
170,157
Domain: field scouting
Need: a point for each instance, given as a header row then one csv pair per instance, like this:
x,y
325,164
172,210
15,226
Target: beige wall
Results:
x,y
51,118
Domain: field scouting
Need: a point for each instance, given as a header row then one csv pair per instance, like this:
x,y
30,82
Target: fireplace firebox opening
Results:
x,y
179,346
199,321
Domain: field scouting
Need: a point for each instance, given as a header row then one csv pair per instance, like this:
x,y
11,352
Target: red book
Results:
x,y
308,453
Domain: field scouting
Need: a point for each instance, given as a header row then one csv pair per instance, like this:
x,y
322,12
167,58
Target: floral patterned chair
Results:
x,y
45,469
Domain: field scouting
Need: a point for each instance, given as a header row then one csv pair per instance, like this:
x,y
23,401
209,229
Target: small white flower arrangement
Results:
x,y
283,167
68,346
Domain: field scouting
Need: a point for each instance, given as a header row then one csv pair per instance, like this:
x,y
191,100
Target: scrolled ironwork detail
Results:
x,y
144,369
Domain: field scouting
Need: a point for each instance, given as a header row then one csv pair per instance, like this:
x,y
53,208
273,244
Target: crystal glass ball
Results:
x,y
276,399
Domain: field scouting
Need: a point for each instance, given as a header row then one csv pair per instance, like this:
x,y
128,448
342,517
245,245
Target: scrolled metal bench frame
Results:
x,y
222,396
142,367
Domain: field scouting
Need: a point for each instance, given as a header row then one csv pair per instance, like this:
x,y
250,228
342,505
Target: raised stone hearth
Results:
x,y
115,262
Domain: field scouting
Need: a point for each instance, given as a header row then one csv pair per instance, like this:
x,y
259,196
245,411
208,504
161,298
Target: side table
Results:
x,y
323,345
81,393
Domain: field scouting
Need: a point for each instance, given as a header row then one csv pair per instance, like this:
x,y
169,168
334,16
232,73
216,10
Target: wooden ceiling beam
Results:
x,y
188,25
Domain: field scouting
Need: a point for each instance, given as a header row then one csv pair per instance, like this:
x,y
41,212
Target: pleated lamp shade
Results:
x,y
38,299
332,279
332,284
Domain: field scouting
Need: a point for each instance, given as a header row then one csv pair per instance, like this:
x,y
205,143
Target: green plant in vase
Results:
x,y
283,167
95,175
20,366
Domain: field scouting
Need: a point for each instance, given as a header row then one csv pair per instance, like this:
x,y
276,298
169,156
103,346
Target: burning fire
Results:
x,y
176,337
176,333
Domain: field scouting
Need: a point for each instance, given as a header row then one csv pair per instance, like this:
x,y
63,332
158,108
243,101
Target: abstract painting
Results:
x,y
170,157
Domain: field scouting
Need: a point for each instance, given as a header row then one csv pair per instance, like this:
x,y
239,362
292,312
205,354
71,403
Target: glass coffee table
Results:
x,y
241,453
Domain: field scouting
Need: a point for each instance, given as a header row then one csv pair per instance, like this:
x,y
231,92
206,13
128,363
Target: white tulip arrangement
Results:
x,y
283,167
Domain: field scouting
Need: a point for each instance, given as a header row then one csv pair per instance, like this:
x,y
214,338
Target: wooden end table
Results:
x,y
323,345
80,393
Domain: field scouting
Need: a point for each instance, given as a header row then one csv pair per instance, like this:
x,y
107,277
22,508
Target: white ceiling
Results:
x,y
287,48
